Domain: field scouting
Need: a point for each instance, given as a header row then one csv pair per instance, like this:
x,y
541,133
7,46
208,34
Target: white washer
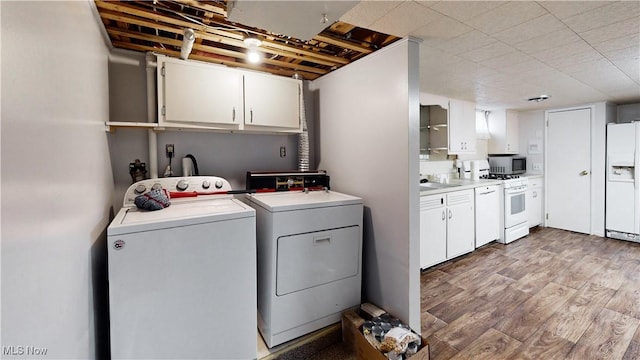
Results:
x,y
182,280
309,260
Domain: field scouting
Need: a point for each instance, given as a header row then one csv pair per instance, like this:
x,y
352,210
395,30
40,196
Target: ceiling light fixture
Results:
x,y
252,43
539,98
187,43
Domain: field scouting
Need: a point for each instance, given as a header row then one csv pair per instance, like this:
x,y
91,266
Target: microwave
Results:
x,y
507,164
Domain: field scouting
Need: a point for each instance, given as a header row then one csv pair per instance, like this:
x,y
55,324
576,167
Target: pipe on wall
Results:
x,y
151,115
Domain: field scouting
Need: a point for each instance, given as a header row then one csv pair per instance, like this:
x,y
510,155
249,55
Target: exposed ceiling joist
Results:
x,y
158,26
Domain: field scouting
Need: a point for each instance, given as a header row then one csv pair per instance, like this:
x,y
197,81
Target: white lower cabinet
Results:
x,y
446,226
534,201
433,230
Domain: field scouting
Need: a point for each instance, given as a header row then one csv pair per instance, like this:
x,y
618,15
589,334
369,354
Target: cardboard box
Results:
x,y
364,349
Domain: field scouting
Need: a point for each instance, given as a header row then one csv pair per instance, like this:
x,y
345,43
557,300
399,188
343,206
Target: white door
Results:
x,y
433,230
569,170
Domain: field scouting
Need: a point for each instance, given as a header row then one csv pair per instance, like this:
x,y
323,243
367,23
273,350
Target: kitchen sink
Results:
x,y
433,186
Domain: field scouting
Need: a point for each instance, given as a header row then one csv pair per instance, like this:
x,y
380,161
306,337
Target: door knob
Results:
x,y
584,173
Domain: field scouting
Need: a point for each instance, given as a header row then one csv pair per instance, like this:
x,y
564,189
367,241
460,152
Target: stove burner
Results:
x,y
499,177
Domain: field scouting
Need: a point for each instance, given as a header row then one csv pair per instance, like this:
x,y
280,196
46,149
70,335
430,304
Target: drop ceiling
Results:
x,y
494,53
498,54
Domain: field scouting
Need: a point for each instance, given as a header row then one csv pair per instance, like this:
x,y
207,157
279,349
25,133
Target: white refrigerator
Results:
x,y
622,219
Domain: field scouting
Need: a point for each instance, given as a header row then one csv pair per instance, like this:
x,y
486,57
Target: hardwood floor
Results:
x,y
554,294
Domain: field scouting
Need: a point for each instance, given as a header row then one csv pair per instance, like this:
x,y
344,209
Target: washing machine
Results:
x,y
309,253
182,280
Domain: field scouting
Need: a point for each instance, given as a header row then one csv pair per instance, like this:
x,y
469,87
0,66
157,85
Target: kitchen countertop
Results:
x,y
461,185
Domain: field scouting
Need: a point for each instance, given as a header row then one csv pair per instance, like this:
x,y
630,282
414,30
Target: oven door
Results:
x,y
515,210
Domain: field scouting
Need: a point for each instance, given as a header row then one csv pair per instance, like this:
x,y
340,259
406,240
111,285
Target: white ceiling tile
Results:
x,y
630,67
523,67
443,27
466,42
605,80
465,10
530,30
565,9
587,61
563,52
506,16
548,41
492,50
539,75
435,58
508,60
366,13
632,52
598,65
618,43
613,31
413,15
602,16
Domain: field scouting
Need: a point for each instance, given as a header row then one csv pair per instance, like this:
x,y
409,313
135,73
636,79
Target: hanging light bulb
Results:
x,y
253,55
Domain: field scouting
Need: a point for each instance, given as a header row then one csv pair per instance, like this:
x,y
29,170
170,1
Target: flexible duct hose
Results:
x,y
303,139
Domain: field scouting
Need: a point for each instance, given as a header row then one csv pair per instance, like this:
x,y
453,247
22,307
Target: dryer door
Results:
x,y
317,258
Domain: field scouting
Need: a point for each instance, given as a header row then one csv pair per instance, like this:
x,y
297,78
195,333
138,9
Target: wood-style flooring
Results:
x,y
554,294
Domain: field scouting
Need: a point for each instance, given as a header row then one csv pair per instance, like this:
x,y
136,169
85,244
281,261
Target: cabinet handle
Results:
x,y
443,215
535,194
251,115
450,214
233,114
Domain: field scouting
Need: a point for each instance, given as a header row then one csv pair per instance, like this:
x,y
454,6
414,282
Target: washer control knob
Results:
x,y
218,184
206,184
182,185
140,189
156,186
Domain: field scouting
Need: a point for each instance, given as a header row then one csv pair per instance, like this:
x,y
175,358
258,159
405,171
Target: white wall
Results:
x,y
56,177
531,129
367,116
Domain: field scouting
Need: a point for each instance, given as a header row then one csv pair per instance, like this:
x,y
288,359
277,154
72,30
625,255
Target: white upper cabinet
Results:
x,y
197,93
503,129
462,127
270,101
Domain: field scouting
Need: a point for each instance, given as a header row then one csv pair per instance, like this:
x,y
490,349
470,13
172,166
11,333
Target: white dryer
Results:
x,y
309,259
182,280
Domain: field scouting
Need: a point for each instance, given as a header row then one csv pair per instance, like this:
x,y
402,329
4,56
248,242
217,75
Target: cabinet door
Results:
x,y
197,93
460,223
272,101
503,127
512,143
433,230
534,206
462,127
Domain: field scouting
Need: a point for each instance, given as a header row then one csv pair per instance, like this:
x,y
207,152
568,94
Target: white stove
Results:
x,y
513,197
